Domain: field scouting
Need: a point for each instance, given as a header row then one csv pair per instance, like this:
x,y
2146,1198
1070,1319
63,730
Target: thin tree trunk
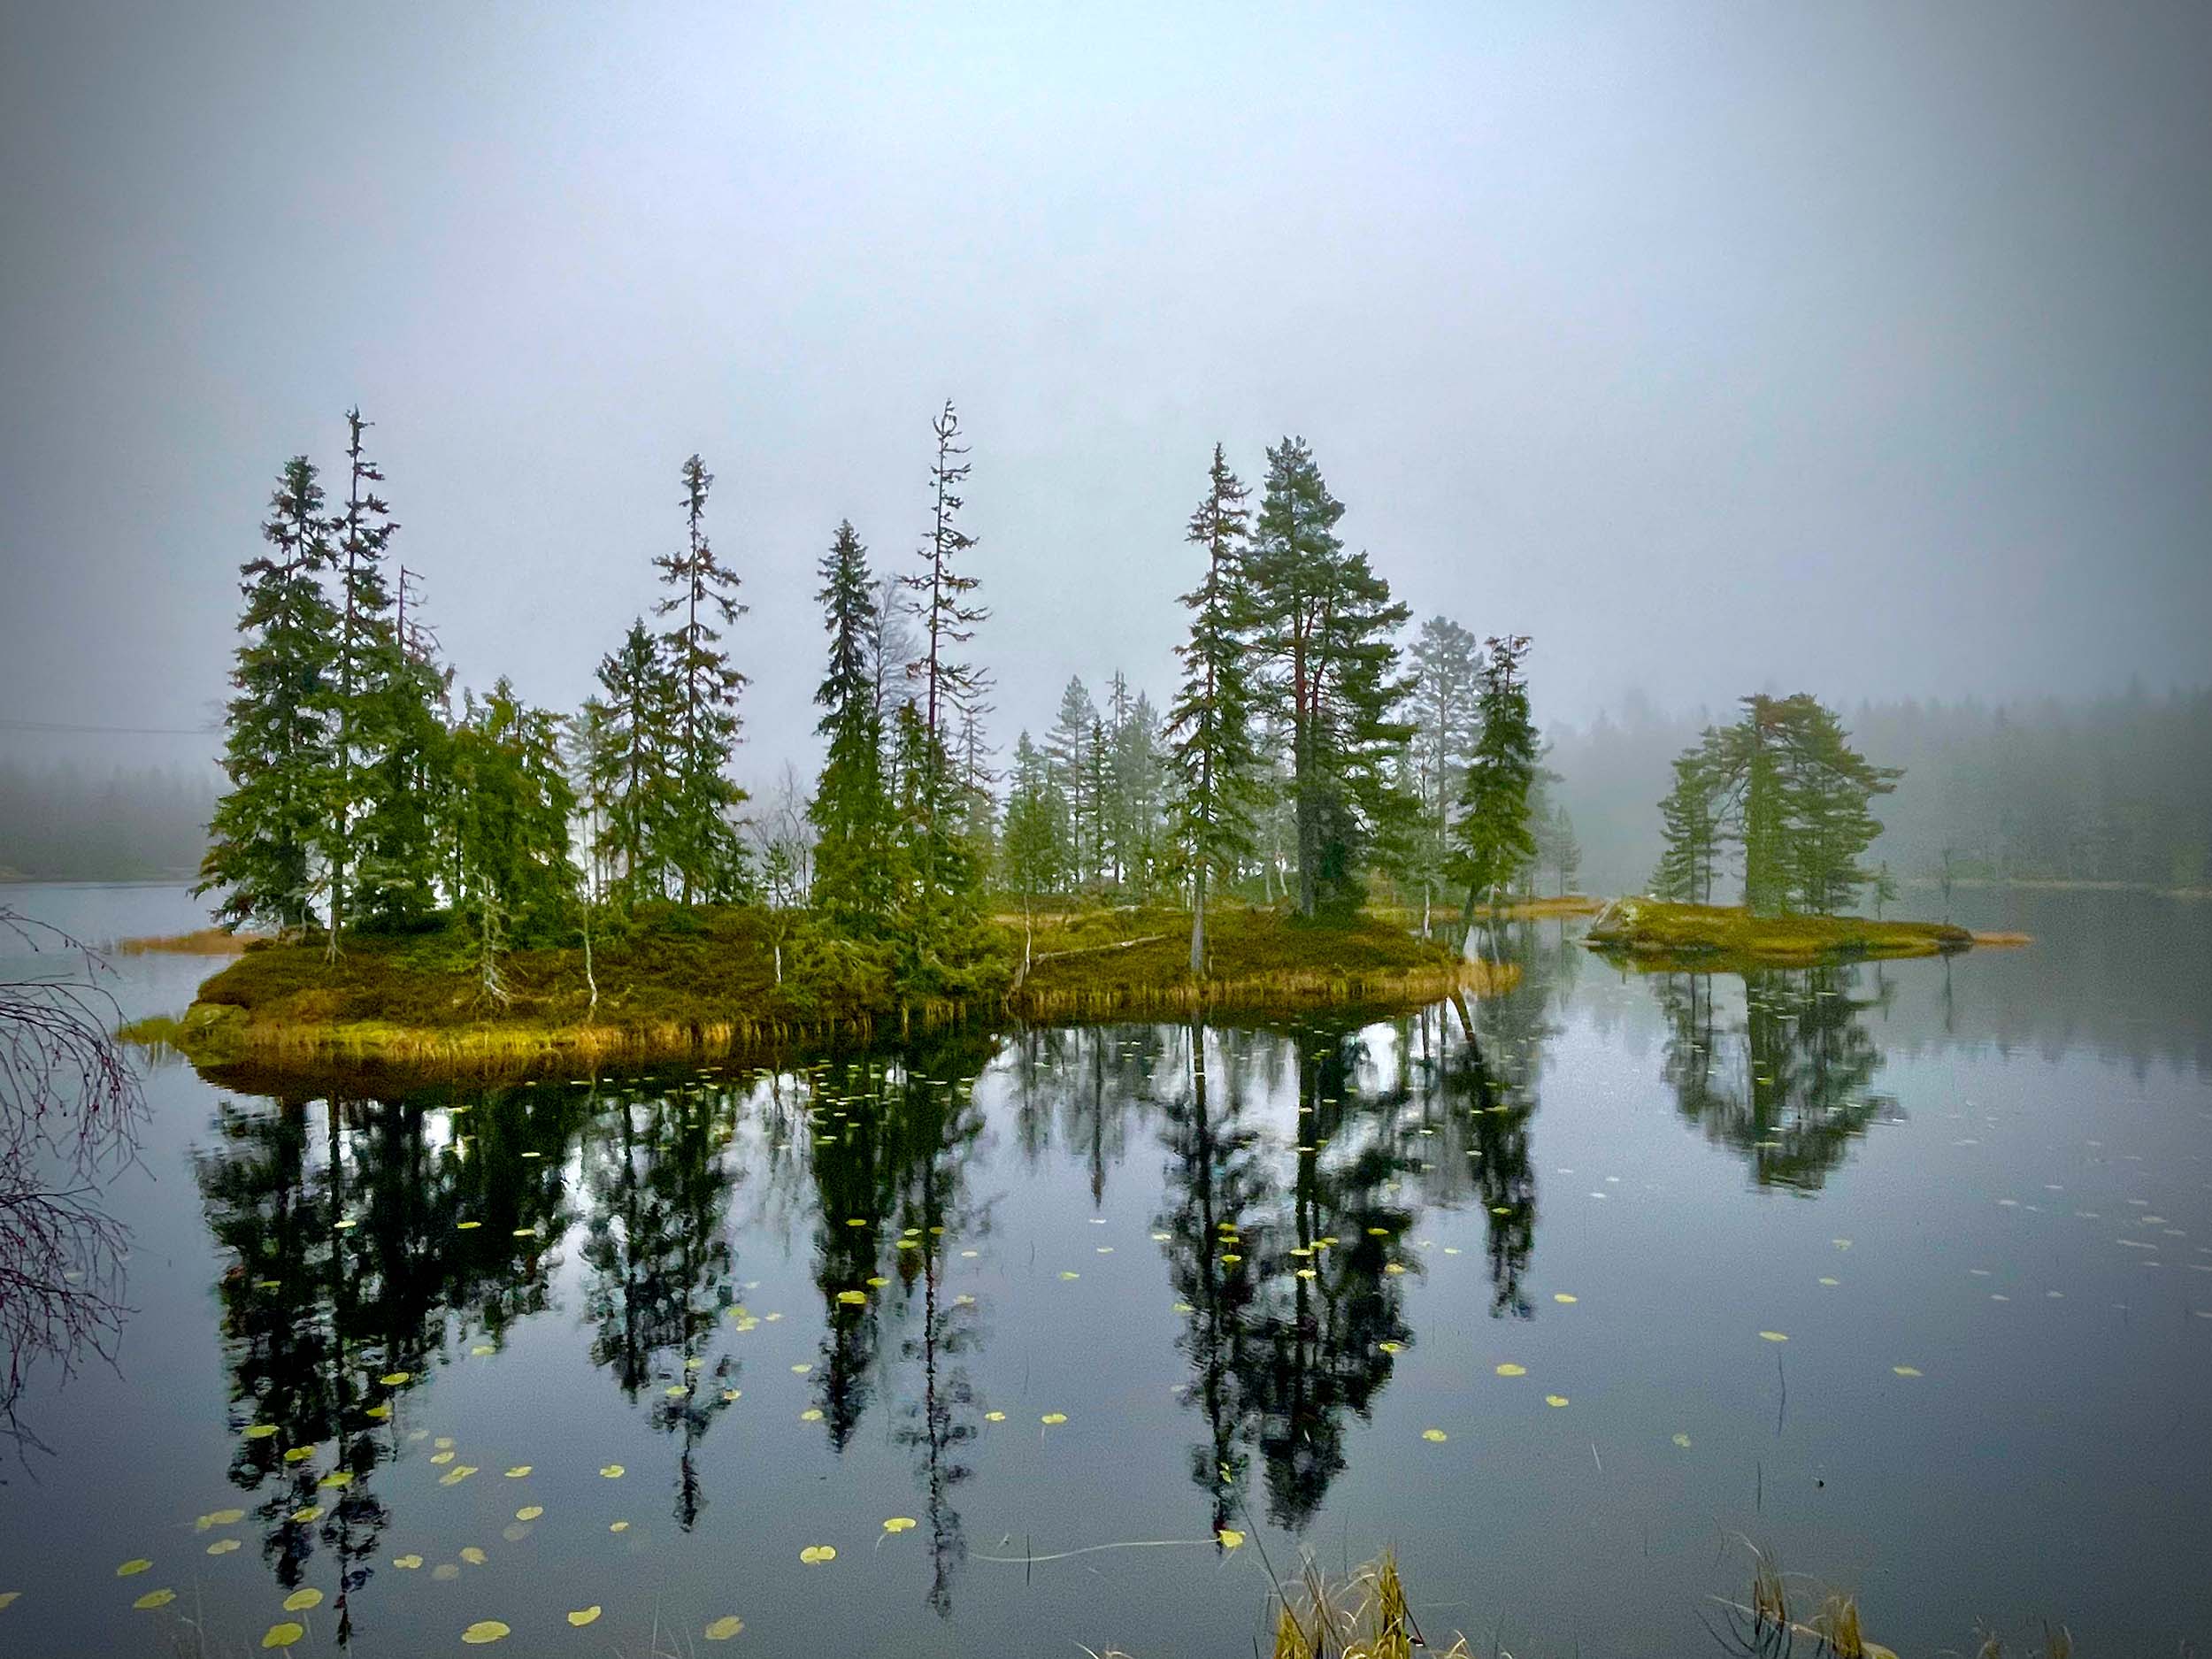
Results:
x,y
1198,925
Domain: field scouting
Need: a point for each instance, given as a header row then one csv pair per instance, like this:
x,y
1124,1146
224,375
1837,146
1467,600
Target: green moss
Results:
x,y
1649,928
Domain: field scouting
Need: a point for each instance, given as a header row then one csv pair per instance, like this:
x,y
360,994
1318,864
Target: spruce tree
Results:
x,y
513,804
279,753
948,615
396,840
1491,838
633,782
1068,746
368,659
1031,846
1209,724
1323,622
705,849
1689,831
855,880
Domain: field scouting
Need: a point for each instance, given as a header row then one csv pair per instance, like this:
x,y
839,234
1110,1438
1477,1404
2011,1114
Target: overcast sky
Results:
x,y
1865,350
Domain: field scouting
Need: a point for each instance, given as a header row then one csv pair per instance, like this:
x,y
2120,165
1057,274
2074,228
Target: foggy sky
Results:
x,y
1865,350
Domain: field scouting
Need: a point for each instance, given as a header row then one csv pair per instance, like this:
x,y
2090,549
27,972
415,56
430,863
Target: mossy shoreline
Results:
x,y
721,983
1677,933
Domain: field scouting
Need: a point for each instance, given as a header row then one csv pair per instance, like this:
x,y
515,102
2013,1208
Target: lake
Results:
x,y
1902,1273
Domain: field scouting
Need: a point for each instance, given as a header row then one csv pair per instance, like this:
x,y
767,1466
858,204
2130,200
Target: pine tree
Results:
x,y
397,839
633,785
514,804
1490,839
1068,746
1786,783
279,753
1446,680
1689,830
704,845
1137,766
1033,846
855,880
1322,625
1209,722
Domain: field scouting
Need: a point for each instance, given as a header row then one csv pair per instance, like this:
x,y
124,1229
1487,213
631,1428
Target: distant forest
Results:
x,y
2116,789
2119,789
63,822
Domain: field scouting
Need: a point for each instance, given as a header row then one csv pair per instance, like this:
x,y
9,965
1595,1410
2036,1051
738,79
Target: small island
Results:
x,y
714,981
1659,929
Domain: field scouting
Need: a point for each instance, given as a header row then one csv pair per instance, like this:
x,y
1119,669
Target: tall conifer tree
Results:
x,y
704,848
279,752
854,881
368,659
1491,840
1209,722
1323,622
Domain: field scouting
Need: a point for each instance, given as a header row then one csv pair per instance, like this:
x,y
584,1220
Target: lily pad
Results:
x,y
815,1555
300,1601
485,1630
584,1616
723,1628
283,1635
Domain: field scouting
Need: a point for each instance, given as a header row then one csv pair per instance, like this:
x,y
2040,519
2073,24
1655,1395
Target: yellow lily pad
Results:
x,y
474,1557
1563,1299
260,1430
611,1471
336,1479
392,1378
485,1630
145,1603
283,1635
456,1475
617,1526
899,1523
1437,1436
1683,1440
1772,1336
995,1417
132,1567
1231,1539
466,1226
1554,1399
584,1616
529,1512
379,1413
8,1597
1510,1370
443,1457
222,1546
408,1563
1905,1370
300,1601
725,1627
1053,1417
853,1298
815,1555
220,1517
518,1471
812,1414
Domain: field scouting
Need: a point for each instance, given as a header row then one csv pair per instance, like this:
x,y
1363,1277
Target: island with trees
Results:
x,y
1319,816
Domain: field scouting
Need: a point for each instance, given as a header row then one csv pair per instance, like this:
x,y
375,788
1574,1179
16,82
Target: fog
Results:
x,y
1863,351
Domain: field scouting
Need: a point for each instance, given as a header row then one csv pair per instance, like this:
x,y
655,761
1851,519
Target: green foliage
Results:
x,y
700,837
1784,783
632,784
856,873
1321,624
1491,838
1210,749
280,755
1070,746
1033,849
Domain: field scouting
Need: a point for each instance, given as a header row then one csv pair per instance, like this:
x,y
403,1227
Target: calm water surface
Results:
x,y
1016,1324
